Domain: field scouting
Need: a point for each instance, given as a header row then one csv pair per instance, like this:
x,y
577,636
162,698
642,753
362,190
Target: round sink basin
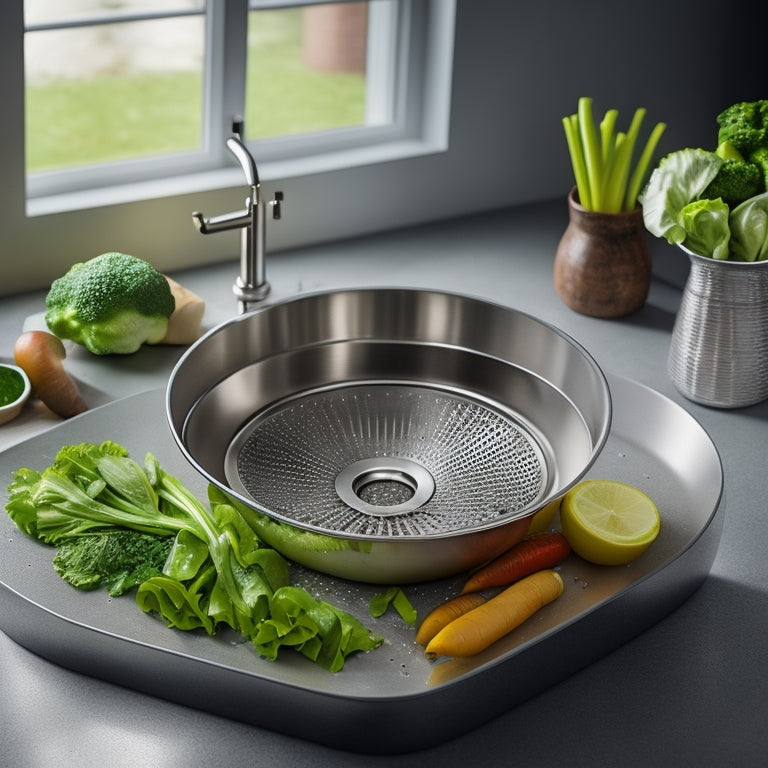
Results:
x,y
395,435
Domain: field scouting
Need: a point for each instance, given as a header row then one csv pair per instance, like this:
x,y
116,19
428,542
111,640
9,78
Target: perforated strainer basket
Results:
x,y
413,433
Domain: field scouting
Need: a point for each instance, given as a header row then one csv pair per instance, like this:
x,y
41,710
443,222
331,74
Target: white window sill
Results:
x,y
233,177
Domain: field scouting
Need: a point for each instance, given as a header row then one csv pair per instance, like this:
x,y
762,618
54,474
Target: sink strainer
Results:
x,y
391,435
384,460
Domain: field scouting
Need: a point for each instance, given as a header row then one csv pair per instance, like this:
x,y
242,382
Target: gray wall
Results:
x,y
519,68
523,65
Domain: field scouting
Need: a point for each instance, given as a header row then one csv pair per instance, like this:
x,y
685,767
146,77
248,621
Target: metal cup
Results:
x,y
719,351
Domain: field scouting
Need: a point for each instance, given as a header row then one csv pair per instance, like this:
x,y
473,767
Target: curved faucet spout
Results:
x,y
251,286
245,158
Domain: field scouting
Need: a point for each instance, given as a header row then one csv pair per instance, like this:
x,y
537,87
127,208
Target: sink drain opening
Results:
x,y
387,459
385,486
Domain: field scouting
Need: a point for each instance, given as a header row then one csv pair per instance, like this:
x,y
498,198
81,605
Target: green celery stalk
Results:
x,y
616,181
602,158
617,184
607,137
641,169
571,126
615,155
592,151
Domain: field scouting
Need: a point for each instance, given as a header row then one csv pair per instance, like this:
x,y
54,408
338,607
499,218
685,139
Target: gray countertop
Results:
x,y
690,690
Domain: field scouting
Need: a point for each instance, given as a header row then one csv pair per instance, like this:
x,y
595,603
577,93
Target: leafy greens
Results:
x,y
676,207
216,570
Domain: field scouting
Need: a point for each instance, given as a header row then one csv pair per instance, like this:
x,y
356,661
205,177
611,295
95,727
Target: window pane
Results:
x,y
306,69
38,12
113,91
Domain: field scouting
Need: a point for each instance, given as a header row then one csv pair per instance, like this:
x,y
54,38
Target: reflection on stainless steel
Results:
x,y
458,418
718,355
654,444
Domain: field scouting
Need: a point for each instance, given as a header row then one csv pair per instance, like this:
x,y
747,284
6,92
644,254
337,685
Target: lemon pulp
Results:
x,y
608,522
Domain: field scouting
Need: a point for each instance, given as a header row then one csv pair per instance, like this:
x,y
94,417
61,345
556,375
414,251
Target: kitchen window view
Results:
x,y
122,90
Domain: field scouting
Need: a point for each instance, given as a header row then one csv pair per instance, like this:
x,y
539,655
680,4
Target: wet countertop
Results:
x,y
690,690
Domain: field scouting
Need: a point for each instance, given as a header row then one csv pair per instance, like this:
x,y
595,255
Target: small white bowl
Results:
x,y
11,410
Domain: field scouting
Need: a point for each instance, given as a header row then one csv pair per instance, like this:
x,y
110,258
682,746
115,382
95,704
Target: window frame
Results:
x,y
409,133
338,197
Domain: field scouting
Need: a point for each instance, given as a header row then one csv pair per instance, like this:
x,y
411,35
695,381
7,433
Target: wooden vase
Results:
x,y
603,262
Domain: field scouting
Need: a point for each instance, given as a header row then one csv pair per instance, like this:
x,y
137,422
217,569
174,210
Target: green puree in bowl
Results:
x,y
11,386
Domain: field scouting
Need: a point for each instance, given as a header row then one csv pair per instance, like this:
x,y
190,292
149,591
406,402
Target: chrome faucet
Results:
x,y
251,286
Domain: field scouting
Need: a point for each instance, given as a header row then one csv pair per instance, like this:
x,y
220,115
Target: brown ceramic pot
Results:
x,y
603,262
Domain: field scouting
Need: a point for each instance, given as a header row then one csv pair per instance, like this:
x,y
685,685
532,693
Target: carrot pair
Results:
x,y
490,620
445,613
469,623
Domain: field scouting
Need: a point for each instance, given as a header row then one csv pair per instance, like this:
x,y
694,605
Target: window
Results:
x,y
338,181
123,92
102,76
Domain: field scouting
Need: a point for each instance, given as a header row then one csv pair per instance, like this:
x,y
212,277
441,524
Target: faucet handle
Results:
x,y
277,206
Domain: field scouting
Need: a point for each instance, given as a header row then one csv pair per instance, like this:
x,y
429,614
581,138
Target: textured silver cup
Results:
x,y
719,350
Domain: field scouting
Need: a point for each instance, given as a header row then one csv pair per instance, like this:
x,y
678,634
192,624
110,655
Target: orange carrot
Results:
x,y
444,614
474,631
40,354
542,550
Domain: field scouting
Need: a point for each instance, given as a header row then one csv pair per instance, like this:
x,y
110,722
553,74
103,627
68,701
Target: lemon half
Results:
x,y
608,522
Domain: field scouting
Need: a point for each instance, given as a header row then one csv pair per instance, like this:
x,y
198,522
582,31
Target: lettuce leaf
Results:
x,y
318,630
749,229
397,598
679,179
706,227
183,606
291,541
217,571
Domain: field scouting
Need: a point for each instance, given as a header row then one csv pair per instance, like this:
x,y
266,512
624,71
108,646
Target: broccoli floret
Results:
x,y
759,157
736,181
743,139
112,303
118,560
745,125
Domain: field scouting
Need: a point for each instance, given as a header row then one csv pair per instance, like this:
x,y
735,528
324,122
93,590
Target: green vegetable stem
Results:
x,y
114,520
602,158
397,598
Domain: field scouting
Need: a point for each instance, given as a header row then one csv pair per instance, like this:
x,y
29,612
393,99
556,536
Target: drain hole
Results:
x,y
384,489
385,486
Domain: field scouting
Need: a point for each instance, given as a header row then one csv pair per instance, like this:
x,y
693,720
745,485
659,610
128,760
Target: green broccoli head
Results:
x,y
112,303
736,181
760,158
745,125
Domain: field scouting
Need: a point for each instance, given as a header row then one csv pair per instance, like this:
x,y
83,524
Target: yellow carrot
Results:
x,y
445,613
474,631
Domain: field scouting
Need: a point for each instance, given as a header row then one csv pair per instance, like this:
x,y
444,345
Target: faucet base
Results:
x,y
249,294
